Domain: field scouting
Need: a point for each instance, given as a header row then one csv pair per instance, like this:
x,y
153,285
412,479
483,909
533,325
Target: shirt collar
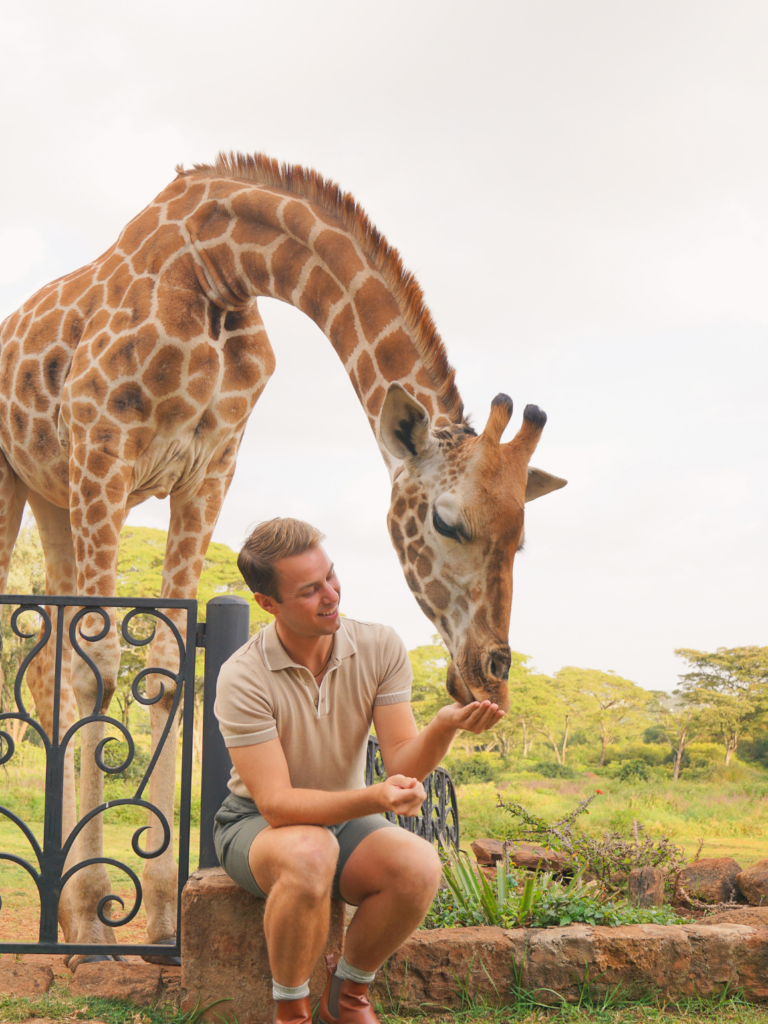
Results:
x,y
277,658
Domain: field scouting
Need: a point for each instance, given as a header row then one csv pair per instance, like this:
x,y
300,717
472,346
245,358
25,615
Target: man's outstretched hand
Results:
x,y
402,795
476,717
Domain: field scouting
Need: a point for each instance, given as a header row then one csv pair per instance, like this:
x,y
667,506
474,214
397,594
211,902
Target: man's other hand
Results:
x,y
477,717
402,795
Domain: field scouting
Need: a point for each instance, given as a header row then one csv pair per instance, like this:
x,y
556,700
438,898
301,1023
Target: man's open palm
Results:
x,y
476,717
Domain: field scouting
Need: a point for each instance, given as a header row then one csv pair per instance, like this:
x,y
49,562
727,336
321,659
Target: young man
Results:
x,y
295,706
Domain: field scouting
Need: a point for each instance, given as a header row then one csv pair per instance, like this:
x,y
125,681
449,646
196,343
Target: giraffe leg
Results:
x,y
191,526
56,538
13,495
98,491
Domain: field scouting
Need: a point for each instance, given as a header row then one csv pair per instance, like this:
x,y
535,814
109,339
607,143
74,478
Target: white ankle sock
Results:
x,y
350,973
283,992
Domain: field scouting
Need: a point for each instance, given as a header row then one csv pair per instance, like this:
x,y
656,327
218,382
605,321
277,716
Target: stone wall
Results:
x,y
430,969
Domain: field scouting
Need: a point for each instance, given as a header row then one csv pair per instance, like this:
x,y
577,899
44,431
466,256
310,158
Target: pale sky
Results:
x,y
581,189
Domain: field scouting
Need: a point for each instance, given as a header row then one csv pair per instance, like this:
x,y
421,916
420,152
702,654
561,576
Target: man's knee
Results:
x,y
415,867
430,868
307,860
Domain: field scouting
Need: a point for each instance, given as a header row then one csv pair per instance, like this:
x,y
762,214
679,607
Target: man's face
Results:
x,y
309,594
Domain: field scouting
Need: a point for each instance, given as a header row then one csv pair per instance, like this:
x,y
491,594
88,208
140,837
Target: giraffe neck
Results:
x,y
258,240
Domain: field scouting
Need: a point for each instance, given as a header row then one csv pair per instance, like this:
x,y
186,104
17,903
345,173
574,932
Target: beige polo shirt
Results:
x,y
262,694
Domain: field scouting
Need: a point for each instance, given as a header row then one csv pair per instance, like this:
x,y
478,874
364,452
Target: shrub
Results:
x,y
551,770
114,754
632,771
609,857
474,768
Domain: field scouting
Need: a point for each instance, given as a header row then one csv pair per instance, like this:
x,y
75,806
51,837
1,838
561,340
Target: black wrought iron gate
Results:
x,y
225,629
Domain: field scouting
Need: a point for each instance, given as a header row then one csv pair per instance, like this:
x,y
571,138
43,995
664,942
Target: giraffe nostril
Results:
x,y
499,664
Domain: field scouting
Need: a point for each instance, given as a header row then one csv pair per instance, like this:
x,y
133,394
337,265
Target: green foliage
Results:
x,y
113,755
536,900
475,768
551,770
429,664
610,856
634,769
728,688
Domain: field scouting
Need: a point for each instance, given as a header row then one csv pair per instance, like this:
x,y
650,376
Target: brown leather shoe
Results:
x,y
292,1011
344,1002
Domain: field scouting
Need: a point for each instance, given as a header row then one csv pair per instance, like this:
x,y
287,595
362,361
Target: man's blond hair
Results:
x,y
267,544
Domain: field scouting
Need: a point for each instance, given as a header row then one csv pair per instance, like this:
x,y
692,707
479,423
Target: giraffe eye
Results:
x,y
454,532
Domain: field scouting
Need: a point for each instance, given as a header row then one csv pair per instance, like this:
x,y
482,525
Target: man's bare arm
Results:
x,y
409,752
264,771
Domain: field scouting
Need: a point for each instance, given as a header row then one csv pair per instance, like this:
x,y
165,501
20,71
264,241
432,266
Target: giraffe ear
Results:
x,y
404,424
540,482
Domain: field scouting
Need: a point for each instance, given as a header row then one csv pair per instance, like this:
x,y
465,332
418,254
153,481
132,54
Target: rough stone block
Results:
x,y
522,855
488,851
711,880
24,980
756,917
526,855
422,974
559,963
646,887
753,883
224,952
141,984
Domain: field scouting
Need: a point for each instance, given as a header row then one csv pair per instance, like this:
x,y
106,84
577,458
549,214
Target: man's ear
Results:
x,y
265,602
540,482
404,424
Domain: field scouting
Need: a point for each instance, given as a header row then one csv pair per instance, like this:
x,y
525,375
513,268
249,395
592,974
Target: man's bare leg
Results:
x,y
392,876
295,865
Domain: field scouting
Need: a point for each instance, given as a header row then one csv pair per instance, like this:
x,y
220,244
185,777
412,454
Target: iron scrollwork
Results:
x,y
47,867
438,820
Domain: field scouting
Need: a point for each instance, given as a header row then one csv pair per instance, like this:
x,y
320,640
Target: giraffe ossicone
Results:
x,y
134,376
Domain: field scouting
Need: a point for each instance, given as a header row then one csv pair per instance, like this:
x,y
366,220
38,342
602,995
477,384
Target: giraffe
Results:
x,y
134,376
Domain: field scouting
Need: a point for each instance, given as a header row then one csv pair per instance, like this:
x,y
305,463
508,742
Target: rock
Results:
x,y
135,983
522,855
753,883
224,952
756,917
488,851
646,887
425,968
171,985
569,963
712,880
526,855
24,980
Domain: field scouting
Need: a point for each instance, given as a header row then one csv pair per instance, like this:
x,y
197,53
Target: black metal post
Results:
x,y
226,629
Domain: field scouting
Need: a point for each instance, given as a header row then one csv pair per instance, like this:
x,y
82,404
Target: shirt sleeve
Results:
x,y
395,672
243,707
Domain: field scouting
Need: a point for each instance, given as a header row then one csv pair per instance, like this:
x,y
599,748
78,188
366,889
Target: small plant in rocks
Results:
x,y
538,900
608,857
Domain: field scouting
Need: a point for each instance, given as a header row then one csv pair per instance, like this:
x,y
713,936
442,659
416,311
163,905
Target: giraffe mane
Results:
x,y
386,259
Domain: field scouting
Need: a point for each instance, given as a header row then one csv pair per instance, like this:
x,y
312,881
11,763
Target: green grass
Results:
x,y
730,815
524,1011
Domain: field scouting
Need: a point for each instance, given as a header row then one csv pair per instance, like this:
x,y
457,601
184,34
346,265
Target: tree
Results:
x,y
429,664
139,574
679,722
730,686
609,700
560,702
529,695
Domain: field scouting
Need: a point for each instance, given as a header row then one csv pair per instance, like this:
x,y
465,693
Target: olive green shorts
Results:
x,y
238,822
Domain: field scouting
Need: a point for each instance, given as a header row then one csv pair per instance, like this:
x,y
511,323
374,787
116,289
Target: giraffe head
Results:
x,y
456,521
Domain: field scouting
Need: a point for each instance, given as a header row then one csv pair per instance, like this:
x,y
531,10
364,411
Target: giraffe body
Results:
x,y
135,376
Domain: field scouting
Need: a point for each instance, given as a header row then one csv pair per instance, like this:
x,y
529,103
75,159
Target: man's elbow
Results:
x,y
273,810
